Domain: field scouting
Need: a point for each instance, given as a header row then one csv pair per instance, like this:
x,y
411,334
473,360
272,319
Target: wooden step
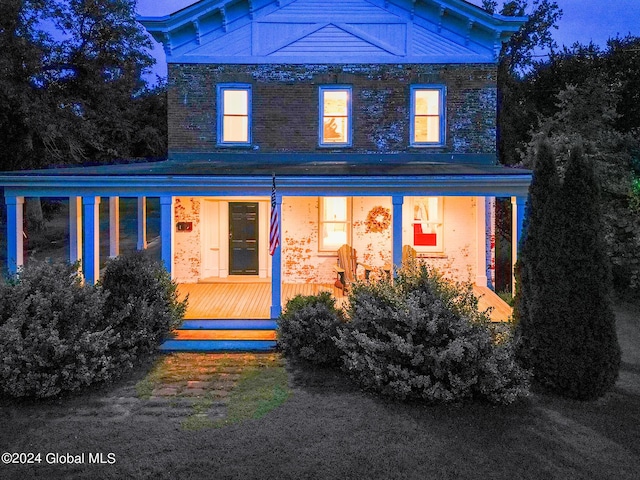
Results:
x,y
217,345
217,335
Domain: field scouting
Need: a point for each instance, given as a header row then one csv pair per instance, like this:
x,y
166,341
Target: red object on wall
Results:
x,y
423,239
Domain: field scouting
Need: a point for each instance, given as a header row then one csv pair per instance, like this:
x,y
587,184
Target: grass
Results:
x,y
329,429
257,393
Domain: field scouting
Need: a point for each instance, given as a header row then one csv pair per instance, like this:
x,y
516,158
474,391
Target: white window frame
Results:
x,y
441,89
220,89
439,227
321,141
321,222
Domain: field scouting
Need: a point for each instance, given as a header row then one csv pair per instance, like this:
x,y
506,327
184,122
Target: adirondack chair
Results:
x,y
409,254
347,267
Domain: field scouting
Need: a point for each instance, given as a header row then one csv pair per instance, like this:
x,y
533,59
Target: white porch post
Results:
x,y
517,219
481,242
276,267
15,233
142,223
75,230
91,247
114,226
166,232
396,222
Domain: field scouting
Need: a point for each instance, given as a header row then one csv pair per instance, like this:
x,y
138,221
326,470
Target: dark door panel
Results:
x,y
243,238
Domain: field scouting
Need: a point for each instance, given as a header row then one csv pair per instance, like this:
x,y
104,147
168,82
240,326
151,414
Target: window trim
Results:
x,y
321,142
442,89
220,89
439,246
321,222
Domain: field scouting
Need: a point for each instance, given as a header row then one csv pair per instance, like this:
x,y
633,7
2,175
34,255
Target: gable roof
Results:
x,y
331,31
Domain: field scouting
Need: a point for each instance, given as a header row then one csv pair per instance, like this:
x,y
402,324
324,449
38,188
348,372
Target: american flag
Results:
x,y
274,234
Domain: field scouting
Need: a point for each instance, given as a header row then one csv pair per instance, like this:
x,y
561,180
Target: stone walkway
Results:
x,y
191,389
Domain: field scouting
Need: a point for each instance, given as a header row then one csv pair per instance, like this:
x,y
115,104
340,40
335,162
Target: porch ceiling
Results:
x,y
250,174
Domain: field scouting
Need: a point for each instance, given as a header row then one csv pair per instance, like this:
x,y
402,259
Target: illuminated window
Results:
x,y
334,223
427,224
335,116
427,115
234,114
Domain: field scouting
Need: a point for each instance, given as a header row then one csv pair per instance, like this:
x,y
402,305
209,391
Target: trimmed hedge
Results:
x,y
423,338
58,334
307,326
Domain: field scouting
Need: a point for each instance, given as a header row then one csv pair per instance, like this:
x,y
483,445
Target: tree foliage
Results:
x,y
566,325
71,89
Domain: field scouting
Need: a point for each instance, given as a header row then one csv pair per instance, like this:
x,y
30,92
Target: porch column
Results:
x,y
91,247
15,233
142,223
481,242
276,267
166,232
75,230
396,222
517,216
114,226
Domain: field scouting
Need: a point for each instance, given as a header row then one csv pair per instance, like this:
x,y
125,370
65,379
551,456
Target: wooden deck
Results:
x,y
253,300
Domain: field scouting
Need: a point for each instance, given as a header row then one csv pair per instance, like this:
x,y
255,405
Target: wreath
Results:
x,y
378,220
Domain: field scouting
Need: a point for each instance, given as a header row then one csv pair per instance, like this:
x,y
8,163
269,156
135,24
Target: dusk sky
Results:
x,y
583,20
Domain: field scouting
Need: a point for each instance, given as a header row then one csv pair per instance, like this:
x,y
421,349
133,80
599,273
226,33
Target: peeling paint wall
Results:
x,y
187,244
303,263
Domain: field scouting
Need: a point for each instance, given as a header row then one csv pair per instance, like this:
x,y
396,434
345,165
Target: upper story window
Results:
x,y
427,115
234,114
335,217
335,116
428,224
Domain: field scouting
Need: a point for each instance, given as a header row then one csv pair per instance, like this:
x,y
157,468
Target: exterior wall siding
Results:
x,y
285,106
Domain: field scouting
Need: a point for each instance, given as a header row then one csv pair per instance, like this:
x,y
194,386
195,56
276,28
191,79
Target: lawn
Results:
x,y
329,429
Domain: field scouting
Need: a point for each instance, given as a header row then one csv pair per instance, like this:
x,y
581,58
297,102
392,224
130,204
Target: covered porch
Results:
x,y
252,300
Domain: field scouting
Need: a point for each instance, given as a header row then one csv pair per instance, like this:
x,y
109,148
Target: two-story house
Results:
x,y
376,117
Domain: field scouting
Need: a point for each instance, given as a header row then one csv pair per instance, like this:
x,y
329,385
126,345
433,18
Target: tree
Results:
x,y
543,192
516,57
76,95
568,337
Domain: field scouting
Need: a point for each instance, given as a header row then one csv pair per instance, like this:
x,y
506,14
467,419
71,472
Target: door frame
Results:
x,y
215,236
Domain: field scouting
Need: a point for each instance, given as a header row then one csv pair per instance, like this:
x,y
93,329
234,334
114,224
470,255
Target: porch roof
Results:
x,y
297,174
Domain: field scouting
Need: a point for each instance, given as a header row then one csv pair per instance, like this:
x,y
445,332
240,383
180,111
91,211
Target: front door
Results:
x,y
243,238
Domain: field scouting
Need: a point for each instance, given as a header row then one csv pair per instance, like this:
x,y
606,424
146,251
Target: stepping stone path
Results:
x,y
180,386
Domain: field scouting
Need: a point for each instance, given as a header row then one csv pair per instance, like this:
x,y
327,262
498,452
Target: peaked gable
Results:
x,y
331,31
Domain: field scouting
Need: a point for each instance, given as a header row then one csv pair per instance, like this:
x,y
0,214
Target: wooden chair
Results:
x,y
347,267
409,255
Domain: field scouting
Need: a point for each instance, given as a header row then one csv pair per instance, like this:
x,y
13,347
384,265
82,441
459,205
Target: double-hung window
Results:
x,y
334,223
234,114
427,224
427,115
335,116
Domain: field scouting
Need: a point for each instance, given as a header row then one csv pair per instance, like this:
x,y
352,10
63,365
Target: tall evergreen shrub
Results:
x,y
545,187
569,336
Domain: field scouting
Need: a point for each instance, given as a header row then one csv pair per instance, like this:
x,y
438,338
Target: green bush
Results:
x,y
54,336
568,337
142,302
423,338
307,326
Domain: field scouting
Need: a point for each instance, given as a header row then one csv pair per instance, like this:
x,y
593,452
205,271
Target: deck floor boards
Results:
x,y
253,300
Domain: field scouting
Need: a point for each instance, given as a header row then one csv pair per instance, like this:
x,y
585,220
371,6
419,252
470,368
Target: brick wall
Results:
x,y
285,106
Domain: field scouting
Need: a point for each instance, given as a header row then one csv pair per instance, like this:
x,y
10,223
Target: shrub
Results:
x,y
307,326
423,338
569,338
142,302
53,333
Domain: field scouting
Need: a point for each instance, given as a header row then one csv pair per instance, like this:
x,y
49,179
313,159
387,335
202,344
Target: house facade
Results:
x,y
376,120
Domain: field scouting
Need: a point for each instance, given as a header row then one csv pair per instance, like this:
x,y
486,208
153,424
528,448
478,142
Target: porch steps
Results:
x,y
222,335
